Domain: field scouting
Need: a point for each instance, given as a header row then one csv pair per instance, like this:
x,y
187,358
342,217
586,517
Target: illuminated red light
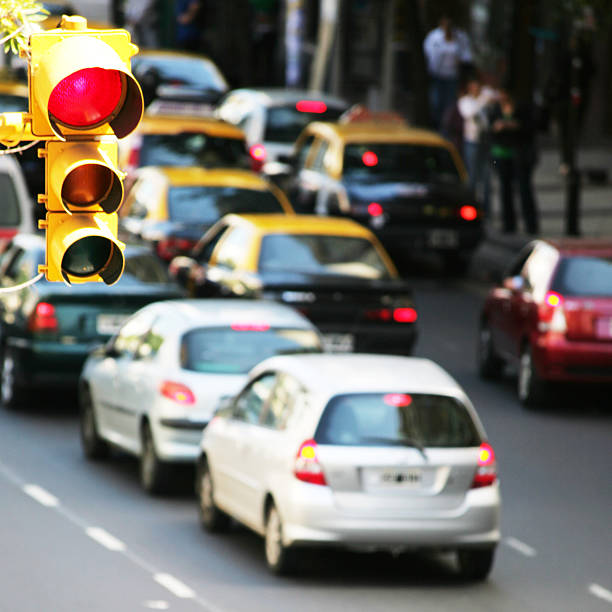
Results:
x,y
553,299
369,158
44,309
177,392
380,314
307,466
468,213
86,98
43,318
486,456
398,400
250,326
486,472
311,106
375,209
405,315
258,152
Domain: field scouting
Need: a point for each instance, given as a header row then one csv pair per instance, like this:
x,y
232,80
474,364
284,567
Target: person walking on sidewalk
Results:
x,y
472,106
513,154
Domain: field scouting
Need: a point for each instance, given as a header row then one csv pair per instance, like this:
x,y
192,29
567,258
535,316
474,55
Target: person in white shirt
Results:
x,y
446,48
472,107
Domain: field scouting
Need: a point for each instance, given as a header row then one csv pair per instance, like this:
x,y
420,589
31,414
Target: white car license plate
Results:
x,y
407,478
109,324
443,239
339,343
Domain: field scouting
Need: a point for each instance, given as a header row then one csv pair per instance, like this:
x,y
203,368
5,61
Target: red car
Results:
x,y
551,316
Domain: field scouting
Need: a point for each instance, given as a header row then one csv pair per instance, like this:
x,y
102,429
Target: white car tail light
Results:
x,y
486,471
177,392
307,466
552,314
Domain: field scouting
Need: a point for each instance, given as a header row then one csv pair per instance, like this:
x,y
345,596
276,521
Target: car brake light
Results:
x,y
43,318
379,314
250,326
7,233
551,314
369,159
399,400
307,466
375,209
258,152
486,471
134,158
468,213
171,247
404,315
311,106
177,392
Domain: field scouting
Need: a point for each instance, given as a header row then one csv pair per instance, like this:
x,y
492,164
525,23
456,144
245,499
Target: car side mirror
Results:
x,y
514,283
180,268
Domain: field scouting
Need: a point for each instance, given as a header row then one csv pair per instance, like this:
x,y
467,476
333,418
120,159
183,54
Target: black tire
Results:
x,y
280,559
12,393
94,447
490,365
211,518
475,564
154,473
531,388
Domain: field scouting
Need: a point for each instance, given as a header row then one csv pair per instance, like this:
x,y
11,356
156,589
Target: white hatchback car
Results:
x,y
154,386
352,450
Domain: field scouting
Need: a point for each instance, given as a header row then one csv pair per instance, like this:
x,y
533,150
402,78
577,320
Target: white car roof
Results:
x,y
220,312
332,374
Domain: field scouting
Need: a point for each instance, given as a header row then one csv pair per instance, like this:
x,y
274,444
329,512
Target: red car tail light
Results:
x,y
375,209
177,392
43,319
404,315
310,106
307,466
378,314
468,213
551,315
486,471
171,247
258,156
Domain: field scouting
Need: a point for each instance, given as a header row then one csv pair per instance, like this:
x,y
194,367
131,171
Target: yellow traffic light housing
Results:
x,y
80,82
82,98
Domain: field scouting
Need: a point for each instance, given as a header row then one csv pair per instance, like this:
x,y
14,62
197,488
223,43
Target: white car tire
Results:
x,y
94,447
280,559
154,473
211,518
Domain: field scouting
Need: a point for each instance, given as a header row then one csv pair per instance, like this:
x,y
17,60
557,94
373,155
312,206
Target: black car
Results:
x,y
47,329
334,271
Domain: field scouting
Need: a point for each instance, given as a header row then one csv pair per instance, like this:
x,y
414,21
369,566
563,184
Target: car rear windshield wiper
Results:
x,y
405,441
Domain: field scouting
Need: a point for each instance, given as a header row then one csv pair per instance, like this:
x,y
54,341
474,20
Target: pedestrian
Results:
x,y
513,154
141,22
188,31
472,107
447,50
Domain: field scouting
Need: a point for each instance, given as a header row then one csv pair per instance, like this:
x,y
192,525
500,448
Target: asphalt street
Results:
x,y
82,536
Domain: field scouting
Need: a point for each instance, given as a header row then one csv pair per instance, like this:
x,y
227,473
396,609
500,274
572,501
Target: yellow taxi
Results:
x,y
334,271
407,184
171,207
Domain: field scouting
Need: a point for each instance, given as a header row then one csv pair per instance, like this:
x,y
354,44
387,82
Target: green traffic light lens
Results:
x,y
87,256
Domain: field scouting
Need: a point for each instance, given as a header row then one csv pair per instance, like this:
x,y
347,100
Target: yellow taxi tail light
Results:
x,y
83,248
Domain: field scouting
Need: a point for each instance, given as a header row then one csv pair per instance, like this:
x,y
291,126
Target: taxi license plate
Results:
x,y
443,239
109,324
339,343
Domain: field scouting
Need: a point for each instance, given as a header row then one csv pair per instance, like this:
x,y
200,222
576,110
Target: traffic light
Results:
x,y
82,98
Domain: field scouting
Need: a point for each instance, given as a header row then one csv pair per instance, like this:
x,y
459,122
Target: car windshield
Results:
x,y
397,419
193,149
584,276
13,104
144,268
285,123
10,213
236,349
321,254
187,71
400,162
202,204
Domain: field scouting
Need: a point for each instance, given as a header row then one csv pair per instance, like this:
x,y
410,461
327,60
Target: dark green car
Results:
x,y
47,329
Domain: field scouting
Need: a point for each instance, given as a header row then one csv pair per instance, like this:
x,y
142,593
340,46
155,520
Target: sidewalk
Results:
x,y
595,212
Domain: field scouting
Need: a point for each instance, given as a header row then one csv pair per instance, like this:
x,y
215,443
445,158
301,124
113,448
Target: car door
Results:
x,y
236,481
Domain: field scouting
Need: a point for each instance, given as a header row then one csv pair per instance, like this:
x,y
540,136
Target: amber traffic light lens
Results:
x,y
87,185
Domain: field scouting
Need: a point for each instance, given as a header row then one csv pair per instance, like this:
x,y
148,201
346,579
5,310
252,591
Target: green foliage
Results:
x,y
17,22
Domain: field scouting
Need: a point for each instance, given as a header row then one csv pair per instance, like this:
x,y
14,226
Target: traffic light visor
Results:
x,y
92,255
91,184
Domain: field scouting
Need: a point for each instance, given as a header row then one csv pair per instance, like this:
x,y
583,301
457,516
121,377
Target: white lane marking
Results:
x,y
156,605
41,496
175,586
599,591
106,539
521,547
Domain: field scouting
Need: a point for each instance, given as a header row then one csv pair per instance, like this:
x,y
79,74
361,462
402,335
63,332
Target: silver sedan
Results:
x,y
353,450
154,386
